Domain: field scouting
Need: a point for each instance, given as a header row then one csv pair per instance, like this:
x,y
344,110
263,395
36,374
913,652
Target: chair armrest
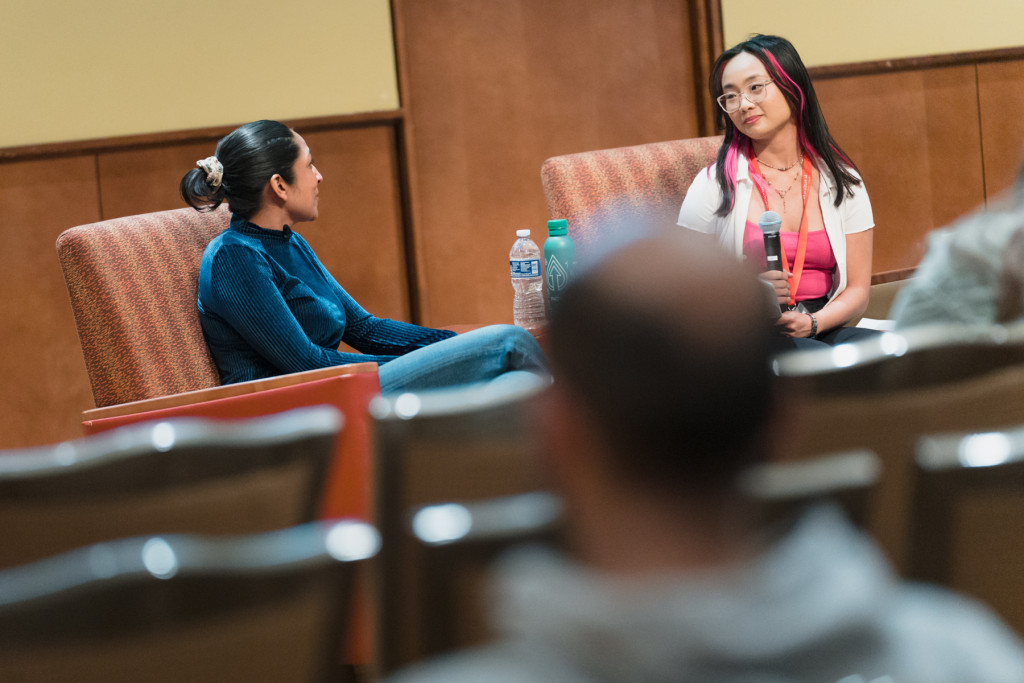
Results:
x,y
225,391
883,291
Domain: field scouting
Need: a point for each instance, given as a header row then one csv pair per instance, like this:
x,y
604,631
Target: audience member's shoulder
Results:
x,y
499,663
984,234
945,636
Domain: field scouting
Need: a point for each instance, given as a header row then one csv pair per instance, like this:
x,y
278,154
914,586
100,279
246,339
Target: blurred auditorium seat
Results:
x,y
171,608
463,444
967,524
782,490
349,388
884,393
174,476
451,548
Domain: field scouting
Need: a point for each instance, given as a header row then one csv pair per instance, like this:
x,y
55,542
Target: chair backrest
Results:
x,y
884,393
456,445
265,607
784,489
967,524
185,475
453,546
349,388
603,191
133,284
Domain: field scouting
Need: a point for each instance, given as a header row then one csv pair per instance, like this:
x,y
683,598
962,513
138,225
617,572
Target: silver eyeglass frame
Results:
x,y
745,92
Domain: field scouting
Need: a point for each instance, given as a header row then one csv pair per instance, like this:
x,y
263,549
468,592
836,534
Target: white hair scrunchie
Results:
x,y
214,171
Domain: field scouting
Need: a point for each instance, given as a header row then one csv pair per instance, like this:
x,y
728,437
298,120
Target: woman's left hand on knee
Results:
x,y
794,324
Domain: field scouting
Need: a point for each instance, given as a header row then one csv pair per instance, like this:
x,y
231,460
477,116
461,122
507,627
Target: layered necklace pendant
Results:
x,y
782,192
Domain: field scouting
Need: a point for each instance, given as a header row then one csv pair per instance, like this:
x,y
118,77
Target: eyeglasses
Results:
x,y
755,92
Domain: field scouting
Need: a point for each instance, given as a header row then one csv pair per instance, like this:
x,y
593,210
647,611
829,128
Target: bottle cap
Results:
x,y
558,227
522,233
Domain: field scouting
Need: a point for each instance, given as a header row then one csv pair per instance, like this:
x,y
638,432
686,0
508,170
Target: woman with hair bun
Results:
x,y
269,307
778,155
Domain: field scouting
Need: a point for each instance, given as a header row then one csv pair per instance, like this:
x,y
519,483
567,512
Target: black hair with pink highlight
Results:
x,y
788,72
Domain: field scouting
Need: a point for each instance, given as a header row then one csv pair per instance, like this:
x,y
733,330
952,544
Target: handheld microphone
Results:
x,y
770,224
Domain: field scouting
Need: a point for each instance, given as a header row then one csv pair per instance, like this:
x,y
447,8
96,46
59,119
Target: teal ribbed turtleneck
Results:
x,y
269,307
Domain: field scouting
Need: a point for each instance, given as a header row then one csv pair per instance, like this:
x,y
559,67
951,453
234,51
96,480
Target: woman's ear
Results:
x,y
278,186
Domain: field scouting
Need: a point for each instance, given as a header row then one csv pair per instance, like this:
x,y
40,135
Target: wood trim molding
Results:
x,y
408,180
707,41
915,63
178,137
892,275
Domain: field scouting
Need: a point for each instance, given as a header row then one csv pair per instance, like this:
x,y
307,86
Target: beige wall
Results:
x,y
104,68
871,30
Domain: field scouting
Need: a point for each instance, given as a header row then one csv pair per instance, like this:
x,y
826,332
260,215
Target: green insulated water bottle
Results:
x,y
559,260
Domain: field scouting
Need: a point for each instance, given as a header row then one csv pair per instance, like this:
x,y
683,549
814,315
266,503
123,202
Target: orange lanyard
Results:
x,y
801,242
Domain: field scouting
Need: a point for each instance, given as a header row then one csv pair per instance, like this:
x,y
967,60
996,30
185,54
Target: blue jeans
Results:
x,y
500,353
834,337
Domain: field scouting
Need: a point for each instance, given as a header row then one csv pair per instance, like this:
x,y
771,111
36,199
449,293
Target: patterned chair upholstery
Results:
x,y
133,285
604,191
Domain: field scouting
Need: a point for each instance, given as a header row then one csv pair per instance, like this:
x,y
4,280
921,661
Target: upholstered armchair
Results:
x,y
605,191
133,285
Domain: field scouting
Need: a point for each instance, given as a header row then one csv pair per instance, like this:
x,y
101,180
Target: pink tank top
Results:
x,y
819,262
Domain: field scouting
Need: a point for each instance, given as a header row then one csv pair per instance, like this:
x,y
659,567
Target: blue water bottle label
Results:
x,y
524,268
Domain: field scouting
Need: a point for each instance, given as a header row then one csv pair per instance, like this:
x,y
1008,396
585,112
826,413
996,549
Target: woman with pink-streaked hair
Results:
x,y
778,156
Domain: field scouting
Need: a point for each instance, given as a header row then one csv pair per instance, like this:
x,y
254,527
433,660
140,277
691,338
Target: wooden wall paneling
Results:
x,y
358,234
707,41
914,135
491,89
1001,101
43,383
135,181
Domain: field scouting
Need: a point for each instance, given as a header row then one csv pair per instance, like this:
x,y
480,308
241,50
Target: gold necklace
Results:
x,y
786,168
781,193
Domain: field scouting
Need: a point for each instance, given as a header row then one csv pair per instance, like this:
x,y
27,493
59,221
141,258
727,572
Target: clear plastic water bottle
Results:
x,y
524,261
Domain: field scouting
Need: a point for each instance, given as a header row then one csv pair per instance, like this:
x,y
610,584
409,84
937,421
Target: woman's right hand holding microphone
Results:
x,y
779,280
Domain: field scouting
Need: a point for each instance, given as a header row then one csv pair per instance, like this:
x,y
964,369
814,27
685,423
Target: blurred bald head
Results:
x,y
666,345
